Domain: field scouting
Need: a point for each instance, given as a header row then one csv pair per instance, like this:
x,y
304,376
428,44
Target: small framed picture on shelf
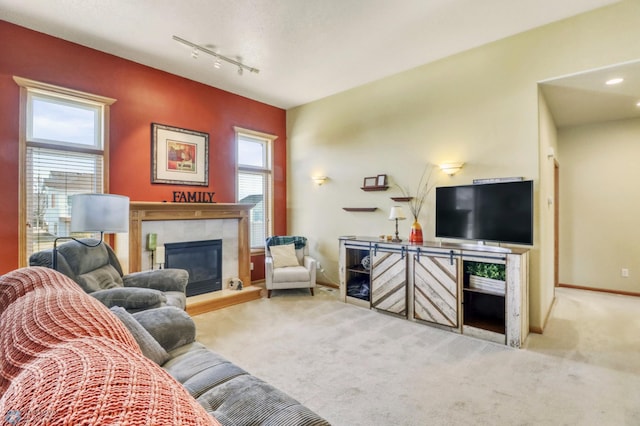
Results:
x,y
381,180
370,182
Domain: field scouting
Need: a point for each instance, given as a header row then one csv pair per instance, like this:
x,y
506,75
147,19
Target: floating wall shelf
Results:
x,y
374,188
401,199
360,209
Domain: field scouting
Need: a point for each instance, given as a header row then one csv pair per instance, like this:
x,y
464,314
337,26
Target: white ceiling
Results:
x,y
305,49
585,98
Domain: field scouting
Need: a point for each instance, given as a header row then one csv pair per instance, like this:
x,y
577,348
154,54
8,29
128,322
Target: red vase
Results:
x,y
416,233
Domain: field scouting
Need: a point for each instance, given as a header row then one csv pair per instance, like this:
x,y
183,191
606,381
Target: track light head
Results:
x,y
240,71
194,53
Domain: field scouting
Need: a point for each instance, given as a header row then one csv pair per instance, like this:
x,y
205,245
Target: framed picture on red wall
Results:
x,y
179,156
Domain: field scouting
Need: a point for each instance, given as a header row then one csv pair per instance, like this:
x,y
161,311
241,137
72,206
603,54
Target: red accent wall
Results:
x,y
144,95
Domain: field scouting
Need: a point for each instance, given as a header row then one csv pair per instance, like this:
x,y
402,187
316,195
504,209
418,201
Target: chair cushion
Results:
x,y
176,299
284,256
292,274
101,278
148,345
170,326
132,299
247,400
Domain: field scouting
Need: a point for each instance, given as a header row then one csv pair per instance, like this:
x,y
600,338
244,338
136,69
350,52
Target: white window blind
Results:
x,y
251,189
53,176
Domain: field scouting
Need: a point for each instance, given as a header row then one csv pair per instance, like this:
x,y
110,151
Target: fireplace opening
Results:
x,y
203,261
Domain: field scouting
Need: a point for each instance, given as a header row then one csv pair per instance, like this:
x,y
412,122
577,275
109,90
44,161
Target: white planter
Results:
x,y
487,284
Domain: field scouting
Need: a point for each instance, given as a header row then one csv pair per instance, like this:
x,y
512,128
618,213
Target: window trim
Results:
x,y
269,139
90,105
26,86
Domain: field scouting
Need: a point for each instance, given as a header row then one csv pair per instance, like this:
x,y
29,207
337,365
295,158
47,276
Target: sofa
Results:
x,y
65,358
94,267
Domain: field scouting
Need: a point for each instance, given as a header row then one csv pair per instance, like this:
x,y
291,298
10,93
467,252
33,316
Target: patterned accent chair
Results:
x,y
96,269
288,265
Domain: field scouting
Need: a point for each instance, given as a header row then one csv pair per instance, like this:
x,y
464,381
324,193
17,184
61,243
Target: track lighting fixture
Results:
x,y
218,57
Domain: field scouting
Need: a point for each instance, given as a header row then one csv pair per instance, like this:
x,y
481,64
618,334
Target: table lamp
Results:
x,y
104,213
398,214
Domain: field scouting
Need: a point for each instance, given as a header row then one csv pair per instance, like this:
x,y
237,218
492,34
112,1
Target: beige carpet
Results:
x,y
355,366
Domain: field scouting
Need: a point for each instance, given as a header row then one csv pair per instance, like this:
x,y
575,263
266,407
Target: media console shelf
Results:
x,y
437,284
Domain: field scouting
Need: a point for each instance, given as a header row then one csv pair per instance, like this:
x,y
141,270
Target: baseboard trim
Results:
x,y
202,303
601,290
332,285
540,330
536,330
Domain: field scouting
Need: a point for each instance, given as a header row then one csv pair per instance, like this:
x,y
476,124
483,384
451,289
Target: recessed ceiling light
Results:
x,y
638,104
614,81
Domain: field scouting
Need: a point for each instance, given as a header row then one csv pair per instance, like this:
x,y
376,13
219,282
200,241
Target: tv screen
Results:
x,y
499,212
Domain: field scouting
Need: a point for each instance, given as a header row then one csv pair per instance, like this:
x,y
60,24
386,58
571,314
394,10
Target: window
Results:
x,y
254,182
63,147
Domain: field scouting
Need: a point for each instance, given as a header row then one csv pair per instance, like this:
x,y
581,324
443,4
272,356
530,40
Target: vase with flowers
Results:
x,y
416,202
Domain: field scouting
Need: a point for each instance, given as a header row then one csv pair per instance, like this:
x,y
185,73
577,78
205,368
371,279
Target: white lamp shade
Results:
x,y
106,213
397,213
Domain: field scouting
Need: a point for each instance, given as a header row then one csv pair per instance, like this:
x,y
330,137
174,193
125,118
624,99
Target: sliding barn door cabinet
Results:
x,y
480,291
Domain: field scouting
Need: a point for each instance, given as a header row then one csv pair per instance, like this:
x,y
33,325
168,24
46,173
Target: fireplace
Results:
x,y
203,261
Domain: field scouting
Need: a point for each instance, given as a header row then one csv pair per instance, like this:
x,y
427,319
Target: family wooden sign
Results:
x,y
193,197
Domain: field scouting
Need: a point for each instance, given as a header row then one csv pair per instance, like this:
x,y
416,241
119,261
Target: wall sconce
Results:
x,y
451,168
319,180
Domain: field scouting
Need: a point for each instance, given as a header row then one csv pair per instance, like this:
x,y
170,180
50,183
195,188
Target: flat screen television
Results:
x,y
498,212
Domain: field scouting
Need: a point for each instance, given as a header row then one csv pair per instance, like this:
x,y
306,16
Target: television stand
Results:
x,y
472,289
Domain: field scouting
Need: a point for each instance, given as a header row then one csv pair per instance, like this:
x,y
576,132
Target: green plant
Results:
x,y
486,270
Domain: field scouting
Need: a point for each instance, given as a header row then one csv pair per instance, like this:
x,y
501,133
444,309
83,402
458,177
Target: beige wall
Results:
x,y
480,107
546,213
600,205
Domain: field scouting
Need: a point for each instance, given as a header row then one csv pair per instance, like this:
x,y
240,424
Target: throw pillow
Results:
x,y
148,345
284,255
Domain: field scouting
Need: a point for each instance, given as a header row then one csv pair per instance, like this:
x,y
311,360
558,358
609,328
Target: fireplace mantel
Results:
x,y
140,211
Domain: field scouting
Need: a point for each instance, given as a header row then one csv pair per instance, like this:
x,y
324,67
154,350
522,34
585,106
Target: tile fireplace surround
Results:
x,y
182,222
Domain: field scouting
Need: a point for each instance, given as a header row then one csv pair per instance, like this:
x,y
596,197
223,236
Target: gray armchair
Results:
x,y
97,270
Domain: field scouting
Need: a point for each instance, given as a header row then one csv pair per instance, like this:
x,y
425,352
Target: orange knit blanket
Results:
x,y
66,360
